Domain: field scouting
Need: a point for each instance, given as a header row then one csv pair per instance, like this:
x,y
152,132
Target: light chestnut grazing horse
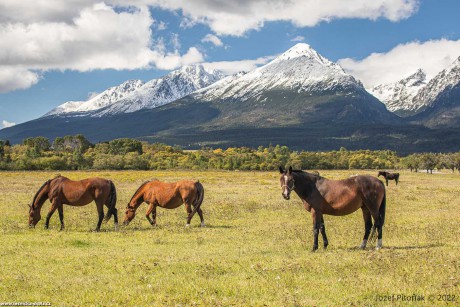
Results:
x,y
63,191
338,197
169,196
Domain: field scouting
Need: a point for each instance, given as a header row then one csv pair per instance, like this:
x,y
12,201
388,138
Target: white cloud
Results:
x,y
402,61
211,38
298,39
232,67
12,78
239,16
81,36
6,124
168,61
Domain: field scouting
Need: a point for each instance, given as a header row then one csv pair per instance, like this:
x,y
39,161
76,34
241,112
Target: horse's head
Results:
x,y
381,173
130,213
34,216
287,182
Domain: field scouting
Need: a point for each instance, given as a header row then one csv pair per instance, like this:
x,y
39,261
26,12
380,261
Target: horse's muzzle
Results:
x,y
125,223
31,226
286,197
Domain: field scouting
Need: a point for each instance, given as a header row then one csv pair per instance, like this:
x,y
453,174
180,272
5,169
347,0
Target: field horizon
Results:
x,y
255,249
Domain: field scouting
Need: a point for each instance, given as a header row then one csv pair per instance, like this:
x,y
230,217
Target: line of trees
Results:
x,y
77,153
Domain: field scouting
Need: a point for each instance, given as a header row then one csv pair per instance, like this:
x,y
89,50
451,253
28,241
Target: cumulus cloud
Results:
x,y
6,124
12,78
232,67
403,60
81,36
211,38
239,16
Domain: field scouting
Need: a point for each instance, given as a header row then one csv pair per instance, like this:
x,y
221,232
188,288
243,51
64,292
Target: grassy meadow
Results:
x,y
254,251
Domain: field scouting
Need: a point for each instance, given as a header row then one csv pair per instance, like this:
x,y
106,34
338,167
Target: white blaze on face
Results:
x,y
285,187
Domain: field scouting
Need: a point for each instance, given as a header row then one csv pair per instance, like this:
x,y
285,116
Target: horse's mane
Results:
x,y
38,192
316,174
139,189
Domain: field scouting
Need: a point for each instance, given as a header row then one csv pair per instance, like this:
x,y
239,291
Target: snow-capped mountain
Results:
x,y
398,96
300,68
136,95
440,84
99,101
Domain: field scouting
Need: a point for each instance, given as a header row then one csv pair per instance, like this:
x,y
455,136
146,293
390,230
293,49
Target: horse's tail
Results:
x,y
112,202
198,199
383,206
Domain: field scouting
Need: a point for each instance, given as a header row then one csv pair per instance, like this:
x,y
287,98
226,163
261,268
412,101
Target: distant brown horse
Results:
x,y
168,196
63,191
338,197
389,176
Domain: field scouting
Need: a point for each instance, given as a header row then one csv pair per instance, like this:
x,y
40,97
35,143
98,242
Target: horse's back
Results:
x,y
81,192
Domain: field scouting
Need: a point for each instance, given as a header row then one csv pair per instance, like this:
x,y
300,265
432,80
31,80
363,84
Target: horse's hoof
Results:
x,y
314,249
187,225
203,225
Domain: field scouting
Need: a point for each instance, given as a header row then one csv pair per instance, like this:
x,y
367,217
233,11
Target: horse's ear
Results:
x,y
290,170
281,170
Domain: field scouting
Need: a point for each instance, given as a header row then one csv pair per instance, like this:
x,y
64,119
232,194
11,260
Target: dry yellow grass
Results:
x,y
255,250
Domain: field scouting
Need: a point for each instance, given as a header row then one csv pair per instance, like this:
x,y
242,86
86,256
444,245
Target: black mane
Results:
x,y
36,194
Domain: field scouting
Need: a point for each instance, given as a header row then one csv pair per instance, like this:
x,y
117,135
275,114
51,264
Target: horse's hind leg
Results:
x,y
377,226
61,216
188,207
367,226
200,213
100,212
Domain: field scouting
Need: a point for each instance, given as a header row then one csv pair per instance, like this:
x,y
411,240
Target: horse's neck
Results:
x,y
42,196
305,184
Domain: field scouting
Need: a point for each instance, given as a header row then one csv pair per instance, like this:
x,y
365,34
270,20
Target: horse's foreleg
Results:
x,y
54,206
61,215
367,226
386,179
323,233
153,210
316,216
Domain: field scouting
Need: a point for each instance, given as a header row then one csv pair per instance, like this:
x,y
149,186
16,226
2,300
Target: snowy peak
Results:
x,y
440,84
158,92
98,101
134,95
398,96
300,69
303,50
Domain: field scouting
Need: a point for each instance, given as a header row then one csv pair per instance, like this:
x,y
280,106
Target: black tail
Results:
x,y
112,202
383,206
199,198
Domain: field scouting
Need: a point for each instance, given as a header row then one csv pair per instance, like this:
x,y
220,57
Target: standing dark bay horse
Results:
x,y
63,191
168,196
389,176
338,197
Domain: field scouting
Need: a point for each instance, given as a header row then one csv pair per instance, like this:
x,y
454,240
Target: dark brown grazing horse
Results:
x,y
169,196
389,176
338,197
63,191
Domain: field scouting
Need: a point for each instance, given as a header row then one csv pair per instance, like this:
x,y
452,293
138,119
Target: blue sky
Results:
x,y
50,55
